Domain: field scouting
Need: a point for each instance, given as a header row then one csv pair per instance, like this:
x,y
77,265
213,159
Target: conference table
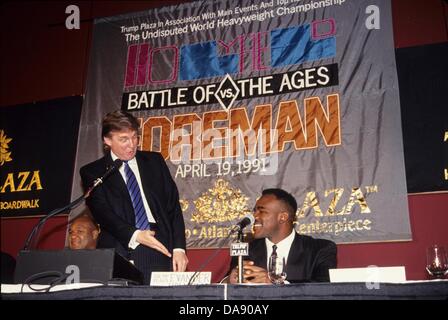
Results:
x,y
434,290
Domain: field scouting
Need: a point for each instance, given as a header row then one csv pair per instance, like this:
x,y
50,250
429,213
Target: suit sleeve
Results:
x,y
326,259
173,209
103,212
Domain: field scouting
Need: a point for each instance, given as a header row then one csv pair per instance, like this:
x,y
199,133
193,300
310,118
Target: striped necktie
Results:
x,y
274,251
141,219
273,258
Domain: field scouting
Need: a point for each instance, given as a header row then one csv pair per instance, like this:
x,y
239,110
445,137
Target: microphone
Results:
x,y
247,220
115,166
241,248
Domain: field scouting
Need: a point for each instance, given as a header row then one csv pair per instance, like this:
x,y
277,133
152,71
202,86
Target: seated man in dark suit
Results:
x,y
307,259
83,233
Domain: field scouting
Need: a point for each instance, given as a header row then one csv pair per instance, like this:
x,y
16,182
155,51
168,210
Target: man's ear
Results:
x,y
95,234
107,141
284,217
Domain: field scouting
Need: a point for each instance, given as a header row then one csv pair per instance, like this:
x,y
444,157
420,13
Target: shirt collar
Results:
x,y
133,161
285,243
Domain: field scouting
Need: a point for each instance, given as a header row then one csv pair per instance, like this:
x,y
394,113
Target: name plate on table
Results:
x,y
179,278
369,274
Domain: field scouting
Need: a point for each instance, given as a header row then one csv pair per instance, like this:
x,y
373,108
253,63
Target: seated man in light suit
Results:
x,y
307,259
83,233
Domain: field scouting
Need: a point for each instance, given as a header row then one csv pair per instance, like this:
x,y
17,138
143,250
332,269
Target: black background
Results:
x,y
422,75
44,137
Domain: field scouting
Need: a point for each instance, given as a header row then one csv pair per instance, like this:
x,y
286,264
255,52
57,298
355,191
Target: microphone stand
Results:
x,y
240,258
55,212
196,273
117,163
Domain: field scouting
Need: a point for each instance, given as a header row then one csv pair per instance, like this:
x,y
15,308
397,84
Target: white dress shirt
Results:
x,y
283,247
134,167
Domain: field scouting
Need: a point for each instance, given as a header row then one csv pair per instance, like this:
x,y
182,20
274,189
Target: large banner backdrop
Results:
x,y
240,96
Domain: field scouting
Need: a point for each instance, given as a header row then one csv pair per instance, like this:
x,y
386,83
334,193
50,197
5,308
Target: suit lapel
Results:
x,y
295,258
146,177
144,169
117,183
258,252
116,180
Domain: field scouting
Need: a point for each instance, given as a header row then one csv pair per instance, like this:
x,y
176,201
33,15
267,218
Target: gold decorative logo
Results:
x,y
219,204
5,156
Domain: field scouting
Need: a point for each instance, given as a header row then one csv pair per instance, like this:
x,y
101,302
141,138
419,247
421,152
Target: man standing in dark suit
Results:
x,y
137,207
307,259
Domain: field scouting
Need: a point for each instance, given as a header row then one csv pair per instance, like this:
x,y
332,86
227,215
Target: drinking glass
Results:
x,y
436,261
277,270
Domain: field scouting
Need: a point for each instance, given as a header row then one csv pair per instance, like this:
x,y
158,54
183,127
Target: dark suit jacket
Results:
x,y
111,205
308,260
